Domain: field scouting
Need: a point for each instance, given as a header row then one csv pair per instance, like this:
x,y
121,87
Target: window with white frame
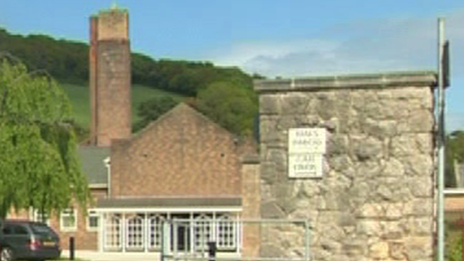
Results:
x,y
112,239
155,231
202,230
41,216
68,220
226,232
93,220
135,232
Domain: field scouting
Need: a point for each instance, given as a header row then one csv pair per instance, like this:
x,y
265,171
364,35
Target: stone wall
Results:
x,y
374,200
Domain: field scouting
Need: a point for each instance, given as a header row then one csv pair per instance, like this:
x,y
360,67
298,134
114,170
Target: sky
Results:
x,y
285,38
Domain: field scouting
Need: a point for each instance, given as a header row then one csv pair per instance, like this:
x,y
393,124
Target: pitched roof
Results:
x,y
92,164
181,108
181,153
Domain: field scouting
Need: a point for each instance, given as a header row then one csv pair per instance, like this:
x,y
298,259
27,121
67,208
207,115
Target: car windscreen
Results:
x,y
43,229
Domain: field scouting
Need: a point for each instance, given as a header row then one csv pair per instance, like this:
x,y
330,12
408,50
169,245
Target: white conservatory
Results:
x,y
131,225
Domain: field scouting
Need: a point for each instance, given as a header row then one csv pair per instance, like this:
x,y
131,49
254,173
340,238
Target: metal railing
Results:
x,y
185,246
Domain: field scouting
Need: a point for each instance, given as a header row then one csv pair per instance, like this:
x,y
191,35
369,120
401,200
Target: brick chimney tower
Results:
x,y
110,77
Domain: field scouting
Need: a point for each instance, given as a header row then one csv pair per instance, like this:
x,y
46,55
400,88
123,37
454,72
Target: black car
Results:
x,y
28,240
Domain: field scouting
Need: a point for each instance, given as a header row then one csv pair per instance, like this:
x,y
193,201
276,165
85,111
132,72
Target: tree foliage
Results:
x,y
152,109
453,244
231,106
65,60
454,154
455,143
39,166
68,62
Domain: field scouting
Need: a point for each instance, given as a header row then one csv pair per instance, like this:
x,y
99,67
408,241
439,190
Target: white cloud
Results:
x,y
395,44
363,46
247,52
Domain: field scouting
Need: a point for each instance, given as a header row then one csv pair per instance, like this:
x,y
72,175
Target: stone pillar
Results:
x,y
112,113
375,199
251,205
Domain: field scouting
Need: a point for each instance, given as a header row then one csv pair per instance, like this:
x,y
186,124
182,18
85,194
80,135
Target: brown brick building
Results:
x,y
182,166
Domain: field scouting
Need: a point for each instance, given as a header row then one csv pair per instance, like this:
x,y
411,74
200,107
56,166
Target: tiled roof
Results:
x,y
92,164
181,154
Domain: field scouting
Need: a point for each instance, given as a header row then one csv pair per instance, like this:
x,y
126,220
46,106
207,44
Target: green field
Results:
x,y
79,96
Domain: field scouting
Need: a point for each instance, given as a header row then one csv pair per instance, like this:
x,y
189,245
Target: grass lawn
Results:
x,y
79,96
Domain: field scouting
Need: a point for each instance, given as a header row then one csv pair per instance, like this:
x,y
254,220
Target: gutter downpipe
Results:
x,y
108,166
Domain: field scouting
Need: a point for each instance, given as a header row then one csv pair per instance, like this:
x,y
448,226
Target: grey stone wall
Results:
x,y
375,199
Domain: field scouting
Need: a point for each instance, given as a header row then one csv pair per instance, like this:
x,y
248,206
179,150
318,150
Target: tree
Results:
x,y
152,109
453,241
39,166
454,153
231,106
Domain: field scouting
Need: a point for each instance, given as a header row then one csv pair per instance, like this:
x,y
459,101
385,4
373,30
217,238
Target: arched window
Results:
x,y
112,237
135,232
226,232
202,231
155,231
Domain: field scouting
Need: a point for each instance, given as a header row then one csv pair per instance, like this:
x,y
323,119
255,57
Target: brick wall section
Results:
x,y
84,239
113,91
119,165
454,202
93,78
251,203
110,77
113,24
22,214
181,154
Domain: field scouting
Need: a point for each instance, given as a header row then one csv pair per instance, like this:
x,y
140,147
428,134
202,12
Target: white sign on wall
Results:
x,y
305,165
306,140
306,149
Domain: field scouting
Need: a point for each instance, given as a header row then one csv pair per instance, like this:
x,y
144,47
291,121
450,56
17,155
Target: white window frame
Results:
x,y
92,213
226,232
154,234
113,232
203,230
135,232
36,216
65,213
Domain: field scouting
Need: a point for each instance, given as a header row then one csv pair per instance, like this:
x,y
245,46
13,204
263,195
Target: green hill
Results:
x,y
224,94
79,96
67,61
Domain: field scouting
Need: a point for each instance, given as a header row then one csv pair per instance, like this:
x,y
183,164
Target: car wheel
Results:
x,y
6,254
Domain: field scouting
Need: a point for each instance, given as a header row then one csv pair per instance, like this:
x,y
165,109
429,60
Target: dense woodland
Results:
x,y
224,94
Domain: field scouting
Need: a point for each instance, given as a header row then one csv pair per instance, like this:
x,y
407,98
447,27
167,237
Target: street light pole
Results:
x,y
441,139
